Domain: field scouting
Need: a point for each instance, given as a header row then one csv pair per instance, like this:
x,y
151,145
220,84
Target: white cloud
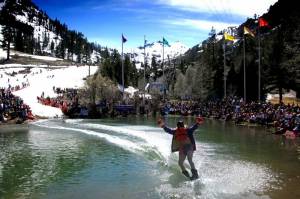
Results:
x,y
231,7
200,24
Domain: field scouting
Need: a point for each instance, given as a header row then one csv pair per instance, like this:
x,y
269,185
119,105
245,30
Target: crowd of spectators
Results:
x,y
283,117
66,100
12,108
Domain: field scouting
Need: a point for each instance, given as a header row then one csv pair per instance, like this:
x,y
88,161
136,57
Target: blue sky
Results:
x,y
187,21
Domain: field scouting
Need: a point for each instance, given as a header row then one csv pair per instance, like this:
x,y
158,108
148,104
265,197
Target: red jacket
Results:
x,y
182,136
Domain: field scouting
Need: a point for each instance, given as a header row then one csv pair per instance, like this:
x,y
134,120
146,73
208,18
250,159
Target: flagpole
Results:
x,y
163,59
224,47
244,50
259,67
122,67
144,67
144,64
163,69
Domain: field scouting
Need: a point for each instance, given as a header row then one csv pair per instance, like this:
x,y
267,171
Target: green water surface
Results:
x,y
130,158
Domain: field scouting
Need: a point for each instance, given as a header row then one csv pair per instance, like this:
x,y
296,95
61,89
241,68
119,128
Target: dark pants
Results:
x,y
186,151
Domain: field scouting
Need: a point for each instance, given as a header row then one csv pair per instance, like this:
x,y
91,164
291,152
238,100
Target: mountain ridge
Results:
x,y
53,38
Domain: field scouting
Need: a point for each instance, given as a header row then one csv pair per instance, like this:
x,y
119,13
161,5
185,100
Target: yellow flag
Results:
x,y
248,31
228,37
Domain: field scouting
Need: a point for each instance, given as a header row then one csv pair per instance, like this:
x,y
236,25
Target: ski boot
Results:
x,y
194,174
186,173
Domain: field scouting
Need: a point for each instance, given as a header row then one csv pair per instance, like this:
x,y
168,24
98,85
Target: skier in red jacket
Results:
x,y
184,142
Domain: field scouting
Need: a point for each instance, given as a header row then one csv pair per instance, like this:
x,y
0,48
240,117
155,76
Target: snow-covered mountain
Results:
x,y
156,50
50,37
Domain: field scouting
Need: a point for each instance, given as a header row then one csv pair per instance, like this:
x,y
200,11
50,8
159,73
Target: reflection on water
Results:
x,y
130,158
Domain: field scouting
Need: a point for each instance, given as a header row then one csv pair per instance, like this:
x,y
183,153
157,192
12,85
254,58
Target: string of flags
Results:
x,y
246,31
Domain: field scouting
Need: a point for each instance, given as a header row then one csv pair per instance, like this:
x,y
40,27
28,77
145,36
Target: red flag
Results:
x,y
262,22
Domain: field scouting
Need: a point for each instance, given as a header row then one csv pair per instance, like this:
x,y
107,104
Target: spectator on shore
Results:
x,y
13,108
282,117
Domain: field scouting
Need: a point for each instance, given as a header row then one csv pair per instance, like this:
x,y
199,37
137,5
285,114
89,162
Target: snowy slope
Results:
x,y
42,80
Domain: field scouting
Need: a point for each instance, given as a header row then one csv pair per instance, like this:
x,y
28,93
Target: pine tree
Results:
x,y
60,50
79,47
7,19
52,47
71,44
28,43
179,85
87,51
45,41
189,82
154,67
37,46
116,66
7,33
19,45
133,75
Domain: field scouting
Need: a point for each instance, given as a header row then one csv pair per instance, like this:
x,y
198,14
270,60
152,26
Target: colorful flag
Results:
x,y
146,44
262,22
248,31
165,42
228,37
123,39
149,44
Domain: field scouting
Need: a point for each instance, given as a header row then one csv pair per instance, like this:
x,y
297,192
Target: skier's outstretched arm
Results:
x,y
161,124
199,121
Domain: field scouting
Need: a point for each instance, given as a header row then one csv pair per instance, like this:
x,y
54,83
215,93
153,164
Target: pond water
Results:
x,y
131,158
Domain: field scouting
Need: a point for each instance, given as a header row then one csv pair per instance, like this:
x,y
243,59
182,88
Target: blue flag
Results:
x,y
165,42
123,39
148,44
